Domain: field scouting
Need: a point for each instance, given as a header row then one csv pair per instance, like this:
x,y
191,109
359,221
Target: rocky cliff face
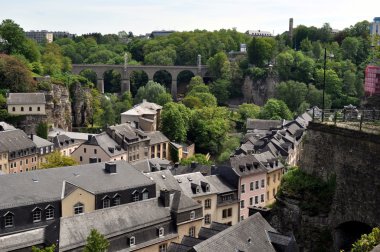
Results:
x,y
259,91
81,105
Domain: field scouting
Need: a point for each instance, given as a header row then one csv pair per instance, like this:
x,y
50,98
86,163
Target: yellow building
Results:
x,y
4,162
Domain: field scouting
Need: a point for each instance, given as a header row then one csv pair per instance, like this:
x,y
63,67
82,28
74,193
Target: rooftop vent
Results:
x,y
110,167
35,180
111,149
190,179
163,176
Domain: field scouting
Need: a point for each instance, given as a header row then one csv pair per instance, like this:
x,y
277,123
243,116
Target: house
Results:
x,y
44,148
144,116
252,234
183,150
65,145
26,103
5,126
122,142
19,153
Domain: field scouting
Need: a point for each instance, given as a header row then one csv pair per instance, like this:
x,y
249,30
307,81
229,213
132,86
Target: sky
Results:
x,y
144,16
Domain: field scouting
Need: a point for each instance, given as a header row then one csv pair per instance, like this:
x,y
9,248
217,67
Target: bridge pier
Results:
x,y
125,85
100,85
174,89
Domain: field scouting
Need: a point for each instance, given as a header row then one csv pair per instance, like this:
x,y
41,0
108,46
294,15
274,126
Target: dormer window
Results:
x,y
161,232
116,200
132,241
106,202
135,196
198,190
145,194
192,215
37,214
9,220
49,212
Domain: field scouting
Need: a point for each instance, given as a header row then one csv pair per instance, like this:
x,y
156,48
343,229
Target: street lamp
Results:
x,y
324,83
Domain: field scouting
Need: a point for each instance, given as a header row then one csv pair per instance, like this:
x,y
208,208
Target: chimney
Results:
x,y
31,137
193,165
89,137
110,167
93,160
165,197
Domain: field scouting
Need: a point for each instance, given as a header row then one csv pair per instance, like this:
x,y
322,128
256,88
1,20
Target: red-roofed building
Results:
x,y
372,80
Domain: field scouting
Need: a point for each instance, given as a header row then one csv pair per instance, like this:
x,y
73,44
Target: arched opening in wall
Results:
x,y
138,79
112,81
164,78
183,80
90,75
207,78
349,232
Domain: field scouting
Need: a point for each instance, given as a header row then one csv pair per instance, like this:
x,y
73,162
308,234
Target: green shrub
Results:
x,y
367,241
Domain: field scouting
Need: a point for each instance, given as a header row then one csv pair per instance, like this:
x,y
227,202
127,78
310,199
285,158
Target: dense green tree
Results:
x,y
293,93
275,110
151,92
13,36
367,242
350,47
96,242
317,49
198,158
333,83
14,75
247,110
108,117
56,159
219,65
260,51
314,97
175,121
42,130
220,89
165,57
90,75
306,46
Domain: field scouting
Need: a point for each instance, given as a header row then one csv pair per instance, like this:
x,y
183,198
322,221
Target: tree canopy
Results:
x,y
96,242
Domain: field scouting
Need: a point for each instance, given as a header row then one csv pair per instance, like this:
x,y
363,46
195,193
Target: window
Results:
x,y
192,215
38,109
161,232
241,218
22,108
80,158
13,109
242,204
145,195
262,183
274,192
84,150
251,186
8,220
37,215
136,196
95,151
116,200
251,201
207,219
207,203
163,247
279,176
256,199
78,208
192,231
132,241
106,202
30,108
99,160
227,213
267,195
257,184
242,188
49,213
262,197
268,181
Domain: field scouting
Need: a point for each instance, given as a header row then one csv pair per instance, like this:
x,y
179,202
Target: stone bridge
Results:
x,y
125,72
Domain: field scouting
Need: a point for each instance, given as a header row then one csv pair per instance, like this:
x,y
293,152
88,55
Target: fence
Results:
x,y
362,120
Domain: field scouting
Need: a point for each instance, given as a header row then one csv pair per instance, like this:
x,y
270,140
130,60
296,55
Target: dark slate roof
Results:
x,y
177,247
151,165
218,226
111,222
247,235
245,165
164,180
127,131
13,140
142,165
184,169
182,203
21,189
187,182
105,142
279,238
40,142
221,185
206,233
26,98
62,141
190,241
73,135
263,124
156,137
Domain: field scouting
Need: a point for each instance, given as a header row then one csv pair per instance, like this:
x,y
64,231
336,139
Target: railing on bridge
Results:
x,y
356,119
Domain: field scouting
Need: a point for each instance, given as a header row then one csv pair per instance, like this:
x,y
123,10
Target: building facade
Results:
x,y
40,36
144,116
372,80
26,103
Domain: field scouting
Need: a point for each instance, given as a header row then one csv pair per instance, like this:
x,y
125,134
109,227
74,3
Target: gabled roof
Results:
x,y
221,185
73,135
111,222
247,235
21,240
246,165
106,143
40,142
5,126
13,140
187,181
205,233
26,98
46,185
61,141
190,241
156,137
178,247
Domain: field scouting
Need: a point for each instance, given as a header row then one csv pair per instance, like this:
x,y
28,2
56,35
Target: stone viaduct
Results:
x,y
125,72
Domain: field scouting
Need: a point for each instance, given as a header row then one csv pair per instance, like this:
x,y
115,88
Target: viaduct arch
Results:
x,y
126,71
